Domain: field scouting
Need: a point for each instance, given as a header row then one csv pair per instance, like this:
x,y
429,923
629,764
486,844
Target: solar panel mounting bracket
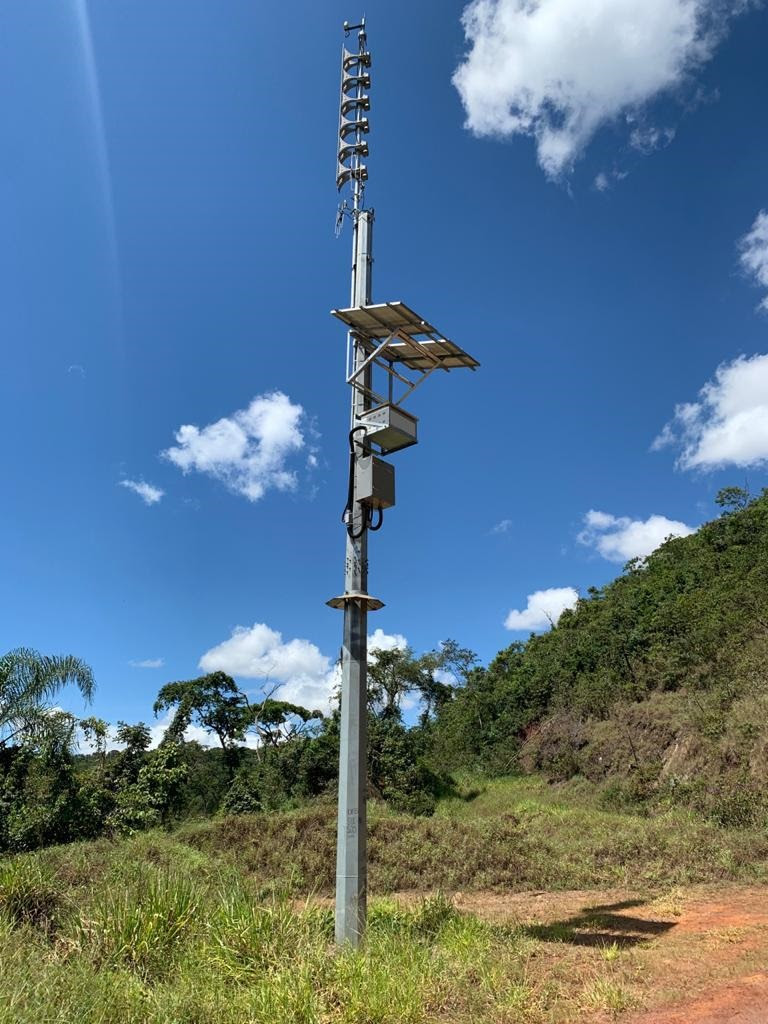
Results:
x,y
391,333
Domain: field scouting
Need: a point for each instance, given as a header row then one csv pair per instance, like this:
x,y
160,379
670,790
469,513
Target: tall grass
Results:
x,y
168,949
204,925
246,938
28,894
142,927
510,834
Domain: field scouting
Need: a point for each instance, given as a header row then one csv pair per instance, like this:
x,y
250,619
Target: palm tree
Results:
x,y
28,681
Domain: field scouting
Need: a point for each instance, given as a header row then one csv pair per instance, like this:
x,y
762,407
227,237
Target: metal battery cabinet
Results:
x,y
375,482
391,428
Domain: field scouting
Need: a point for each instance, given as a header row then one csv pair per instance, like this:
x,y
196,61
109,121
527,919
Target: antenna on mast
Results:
x,y
354,104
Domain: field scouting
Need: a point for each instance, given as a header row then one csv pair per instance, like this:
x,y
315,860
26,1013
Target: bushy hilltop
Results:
x,y
656,684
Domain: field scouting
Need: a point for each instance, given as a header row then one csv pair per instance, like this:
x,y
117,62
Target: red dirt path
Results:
x,y
703,953
696,956
742,1002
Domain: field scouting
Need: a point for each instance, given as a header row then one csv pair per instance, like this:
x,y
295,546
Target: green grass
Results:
x,y
604,994
209,923
171,949
28,894
510,834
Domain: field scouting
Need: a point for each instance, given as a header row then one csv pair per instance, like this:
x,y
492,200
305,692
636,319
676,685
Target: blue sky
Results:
x,y
167,258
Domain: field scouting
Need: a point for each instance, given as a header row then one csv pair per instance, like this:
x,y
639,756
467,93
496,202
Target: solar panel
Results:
x,y
419,345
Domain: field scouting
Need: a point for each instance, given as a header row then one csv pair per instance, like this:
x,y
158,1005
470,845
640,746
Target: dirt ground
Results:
x,y
693,956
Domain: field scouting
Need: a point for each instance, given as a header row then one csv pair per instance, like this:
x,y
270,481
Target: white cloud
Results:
x,y
728,425
148,663
246,451
619,538
602,182
753,249
645,138
303,673
504,526
605,180
306,675
260,653
381,641
544,608
192,733
148,493
558,70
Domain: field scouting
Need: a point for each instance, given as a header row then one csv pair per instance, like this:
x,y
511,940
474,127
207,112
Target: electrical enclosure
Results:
x,y
375,482
390,428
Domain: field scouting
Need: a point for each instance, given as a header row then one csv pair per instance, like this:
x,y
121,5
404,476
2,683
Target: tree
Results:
x,y
391,675
38,788
149,800
96,732
213,702
277,721
443,671
129,762
433,676
28,681
732,499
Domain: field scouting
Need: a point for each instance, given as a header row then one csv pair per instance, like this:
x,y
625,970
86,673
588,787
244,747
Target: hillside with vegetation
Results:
x,y
653,690
655,686
230,919
576,832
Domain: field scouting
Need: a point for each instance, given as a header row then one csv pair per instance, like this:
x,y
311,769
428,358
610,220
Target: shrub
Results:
x,y
242,797
433,914
736,803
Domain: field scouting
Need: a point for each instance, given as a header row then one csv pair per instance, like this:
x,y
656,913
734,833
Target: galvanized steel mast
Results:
x,y
402,349
351,855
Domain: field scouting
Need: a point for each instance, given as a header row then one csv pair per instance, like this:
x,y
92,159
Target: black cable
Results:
x,y
347,515
380,523
356,535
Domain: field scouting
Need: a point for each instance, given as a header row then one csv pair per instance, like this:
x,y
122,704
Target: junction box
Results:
x,y
389,427
375,482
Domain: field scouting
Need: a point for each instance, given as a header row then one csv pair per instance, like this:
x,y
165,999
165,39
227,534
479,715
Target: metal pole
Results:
x,y
351,855
351,849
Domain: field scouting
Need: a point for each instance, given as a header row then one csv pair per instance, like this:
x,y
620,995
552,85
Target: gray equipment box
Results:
x,y
389,427
375,482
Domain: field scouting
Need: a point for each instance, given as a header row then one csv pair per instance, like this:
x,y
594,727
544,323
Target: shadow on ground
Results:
x,y
601,926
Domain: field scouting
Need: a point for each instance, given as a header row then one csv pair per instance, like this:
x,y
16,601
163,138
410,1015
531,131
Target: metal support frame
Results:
x,y
376,358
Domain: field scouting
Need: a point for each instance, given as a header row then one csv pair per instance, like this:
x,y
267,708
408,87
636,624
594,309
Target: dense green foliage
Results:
x,y
38,792
654,687
655,683
49,794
